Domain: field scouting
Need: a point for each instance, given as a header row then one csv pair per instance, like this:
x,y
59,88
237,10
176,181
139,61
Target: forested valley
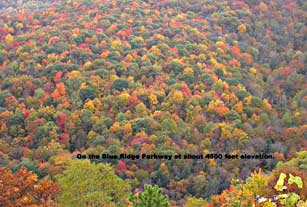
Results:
x,y
169,77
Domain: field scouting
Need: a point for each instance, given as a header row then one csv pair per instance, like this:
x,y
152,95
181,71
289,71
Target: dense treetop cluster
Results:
x,y
146,76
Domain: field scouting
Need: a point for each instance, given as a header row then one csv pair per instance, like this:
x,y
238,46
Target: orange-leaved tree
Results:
x,y
24,189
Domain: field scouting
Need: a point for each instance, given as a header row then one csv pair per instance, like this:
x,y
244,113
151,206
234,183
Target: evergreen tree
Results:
x,y
151,197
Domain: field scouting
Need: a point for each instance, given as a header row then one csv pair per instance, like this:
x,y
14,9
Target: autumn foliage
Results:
x,y
169,77
23,188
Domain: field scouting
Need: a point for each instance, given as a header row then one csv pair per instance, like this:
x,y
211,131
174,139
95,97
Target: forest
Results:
x,y
146,78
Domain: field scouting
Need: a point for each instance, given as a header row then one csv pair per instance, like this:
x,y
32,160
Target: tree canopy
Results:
x,y
86,184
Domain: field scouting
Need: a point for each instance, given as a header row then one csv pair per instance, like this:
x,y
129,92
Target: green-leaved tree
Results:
x,y
151,197
91,185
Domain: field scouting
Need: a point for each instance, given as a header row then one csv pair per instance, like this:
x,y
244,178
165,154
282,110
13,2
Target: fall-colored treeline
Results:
x,y
147,76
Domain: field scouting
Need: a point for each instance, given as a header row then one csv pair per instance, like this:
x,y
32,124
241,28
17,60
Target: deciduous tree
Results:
x,y
86,184
24,189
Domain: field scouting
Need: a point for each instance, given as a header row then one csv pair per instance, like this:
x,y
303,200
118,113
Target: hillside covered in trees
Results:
x,y
153,77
